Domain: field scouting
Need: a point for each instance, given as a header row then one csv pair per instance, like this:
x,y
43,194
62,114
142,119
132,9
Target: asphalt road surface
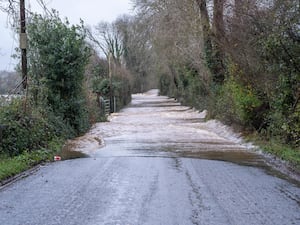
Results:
x,y
160,163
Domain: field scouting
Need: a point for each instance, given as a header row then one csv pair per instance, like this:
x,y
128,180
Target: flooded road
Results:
x,y
156,162
158,126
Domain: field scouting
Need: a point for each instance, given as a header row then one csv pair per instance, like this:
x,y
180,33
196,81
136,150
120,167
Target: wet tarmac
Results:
x,y
155,162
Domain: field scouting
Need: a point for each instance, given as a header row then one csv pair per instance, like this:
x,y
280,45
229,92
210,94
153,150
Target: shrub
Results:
x,y
165,84
58,55
25,131
237,103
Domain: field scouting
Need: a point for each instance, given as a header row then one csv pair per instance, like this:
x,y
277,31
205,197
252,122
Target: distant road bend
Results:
x,y
161,163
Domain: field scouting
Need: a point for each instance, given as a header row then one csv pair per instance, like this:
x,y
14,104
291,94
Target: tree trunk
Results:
x,y
238,5
205,24
218,41
218,20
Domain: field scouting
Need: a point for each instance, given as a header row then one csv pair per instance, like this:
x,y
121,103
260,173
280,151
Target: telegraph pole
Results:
x,y
110,81
23,43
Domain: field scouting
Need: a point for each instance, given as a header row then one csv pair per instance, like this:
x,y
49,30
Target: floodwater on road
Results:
x,y
158,126
156,162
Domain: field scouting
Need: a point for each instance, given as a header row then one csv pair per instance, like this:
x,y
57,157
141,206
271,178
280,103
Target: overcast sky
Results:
x,y
91,11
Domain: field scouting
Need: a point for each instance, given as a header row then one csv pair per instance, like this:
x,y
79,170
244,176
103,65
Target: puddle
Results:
x,y
244,158
238,157
67,153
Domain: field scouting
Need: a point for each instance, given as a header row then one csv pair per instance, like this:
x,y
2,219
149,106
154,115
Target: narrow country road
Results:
x,y
160,163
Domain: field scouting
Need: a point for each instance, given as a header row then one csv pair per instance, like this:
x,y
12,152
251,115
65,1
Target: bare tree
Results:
x,y
107,37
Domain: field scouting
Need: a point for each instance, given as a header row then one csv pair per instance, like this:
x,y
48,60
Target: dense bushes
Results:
x,y
165,85
242,101
26,131
58,55
56,106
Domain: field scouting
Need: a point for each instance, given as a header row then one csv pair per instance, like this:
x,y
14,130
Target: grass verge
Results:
x,y
11,166
282,151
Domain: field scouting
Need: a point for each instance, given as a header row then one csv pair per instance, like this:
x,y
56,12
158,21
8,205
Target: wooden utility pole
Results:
x,y
23,43
110,81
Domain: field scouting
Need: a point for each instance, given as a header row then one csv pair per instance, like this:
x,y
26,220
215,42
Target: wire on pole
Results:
x,y
23,43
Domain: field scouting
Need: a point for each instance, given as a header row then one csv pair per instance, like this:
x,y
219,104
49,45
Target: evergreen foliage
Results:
x,y
56,106
58,56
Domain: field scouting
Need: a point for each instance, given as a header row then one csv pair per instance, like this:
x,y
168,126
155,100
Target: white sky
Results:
x,y
91,11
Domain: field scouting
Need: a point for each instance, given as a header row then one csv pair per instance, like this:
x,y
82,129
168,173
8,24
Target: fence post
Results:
x,y
115,104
